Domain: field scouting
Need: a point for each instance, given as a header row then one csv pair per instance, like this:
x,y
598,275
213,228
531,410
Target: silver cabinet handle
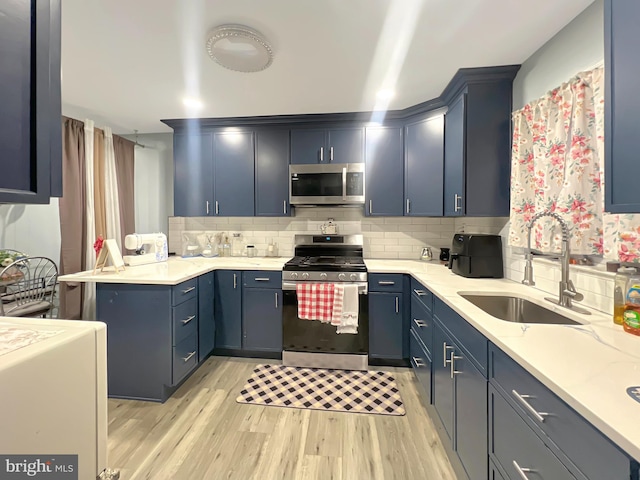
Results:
x,y
331,154
452,362
188,357
522,471
408,205
321,154
235,280
207,207
445,348
217,208
190,289
420,293
370,207
262,279
344,183
456,206
420,323
397,305
284,207
418,362
386,282
276,294
522,399
188,319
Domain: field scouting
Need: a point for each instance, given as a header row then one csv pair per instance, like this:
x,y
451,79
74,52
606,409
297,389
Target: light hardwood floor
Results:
x,y
202,433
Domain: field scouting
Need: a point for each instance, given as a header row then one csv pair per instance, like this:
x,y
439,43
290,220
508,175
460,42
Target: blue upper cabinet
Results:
x,y
30,133
234,174
272,173
193,174
454,153
424,143
384,167
622,66
339,145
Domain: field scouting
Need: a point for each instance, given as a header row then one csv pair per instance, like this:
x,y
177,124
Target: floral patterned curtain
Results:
x,y
557,164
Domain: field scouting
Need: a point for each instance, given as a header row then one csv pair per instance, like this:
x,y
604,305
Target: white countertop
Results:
x,y
589,366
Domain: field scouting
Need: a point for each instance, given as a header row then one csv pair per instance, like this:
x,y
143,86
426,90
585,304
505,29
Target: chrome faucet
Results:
x,y
566,290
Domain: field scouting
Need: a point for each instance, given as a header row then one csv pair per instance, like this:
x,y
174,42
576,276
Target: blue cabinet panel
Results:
x,y
341,145
454,155
622,67
422,322
308,146
228,309
494,472
185,320
262,319
206,321
262,279
386,325
384,171
272,173
424,144
193,174
346,145
421,363
185,358
443,395
386,282
234,174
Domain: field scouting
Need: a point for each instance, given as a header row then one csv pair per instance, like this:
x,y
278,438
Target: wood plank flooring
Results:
x,y
202,433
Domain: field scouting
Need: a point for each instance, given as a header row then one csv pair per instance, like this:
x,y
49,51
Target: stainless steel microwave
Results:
x,y
326,184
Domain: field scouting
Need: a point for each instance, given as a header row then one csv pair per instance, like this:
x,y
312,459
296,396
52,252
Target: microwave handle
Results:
x,y
344,183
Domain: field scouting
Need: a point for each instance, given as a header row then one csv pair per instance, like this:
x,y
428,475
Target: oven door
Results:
x,y
312,336
326,184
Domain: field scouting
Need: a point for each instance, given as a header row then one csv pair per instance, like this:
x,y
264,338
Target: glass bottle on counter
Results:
x,y
620,293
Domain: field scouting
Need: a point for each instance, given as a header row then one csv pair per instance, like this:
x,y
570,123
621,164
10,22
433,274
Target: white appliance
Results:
x,y
54,391
149,248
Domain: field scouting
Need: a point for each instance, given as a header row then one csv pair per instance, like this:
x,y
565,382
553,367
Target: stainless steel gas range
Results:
x,y
325,259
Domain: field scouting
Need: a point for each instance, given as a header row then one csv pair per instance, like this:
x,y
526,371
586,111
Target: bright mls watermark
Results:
x,y
49,467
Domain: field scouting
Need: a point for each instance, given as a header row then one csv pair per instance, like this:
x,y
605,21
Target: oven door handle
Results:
x,y
363,287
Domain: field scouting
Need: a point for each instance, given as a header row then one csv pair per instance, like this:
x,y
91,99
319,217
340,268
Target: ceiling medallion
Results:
x,y
239,48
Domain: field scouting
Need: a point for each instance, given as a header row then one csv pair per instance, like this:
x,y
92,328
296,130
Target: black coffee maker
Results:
x,y
476,255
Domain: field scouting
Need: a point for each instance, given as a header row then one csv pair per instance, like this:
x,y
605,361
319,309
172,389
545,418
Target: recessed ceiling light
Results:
x,y
385,94
193,103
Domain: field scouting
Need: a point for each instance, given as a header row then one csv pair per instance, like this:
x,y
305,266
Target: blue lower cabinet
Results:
x,y
421,363
228,309
206,319
262,319
442,384
185,358
494,472
386,325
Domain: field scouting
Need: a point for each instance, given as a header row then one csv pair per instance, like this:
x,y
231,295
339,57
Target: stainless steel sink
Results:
x,y
516,309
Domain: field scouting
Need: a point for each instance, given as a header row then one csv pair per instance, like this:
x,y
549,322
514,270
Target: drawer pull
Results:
x,y
522,471
420,293
188,319
385,282
418,361
521,398
445,347
188,357
262,279
452,362
420,323
190,289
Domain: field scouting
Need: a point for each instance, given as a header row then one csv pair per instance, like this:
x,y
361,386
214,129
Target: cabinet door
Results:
x,y
308,146
346,145
471,417
234,174
206,322
454,158
228,309
424,167
385,325
442,393
384,171
272,173
622,41
262,319
29,35
193,174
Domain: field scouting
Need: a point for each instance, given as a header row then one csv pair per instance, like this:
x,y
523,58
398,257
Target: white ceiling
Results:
x,y
130,62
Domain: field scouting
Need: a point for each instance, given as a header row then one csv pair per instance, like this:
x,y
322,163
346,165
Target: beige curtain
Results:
x,y
72,224
124,153
98,183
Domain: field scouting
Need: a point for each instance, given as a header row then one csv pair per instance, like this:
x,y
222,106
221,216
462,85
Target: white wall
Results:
x,y
577,47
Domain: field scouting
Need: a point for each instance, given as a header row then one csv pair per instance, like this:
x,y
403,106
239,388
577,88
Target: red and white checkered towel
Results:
x,y
315,301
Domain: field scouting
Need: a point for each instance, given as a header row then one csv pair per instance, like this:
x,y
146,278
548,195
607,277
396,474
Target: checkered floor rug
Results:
x,y
319,389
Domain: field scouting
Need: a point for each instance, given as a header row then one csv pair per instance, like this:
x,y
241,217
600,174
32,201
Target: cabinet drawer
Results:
x,y
468,338
185,358
421,293
185,320
184,291
262,279
421,363
580,441
421,322
385,282
514,445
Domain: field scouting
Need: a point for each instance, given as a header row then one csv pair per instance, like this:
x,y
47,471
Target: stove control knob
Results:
x,y
341,276
353,277
294,275
305,276
323,276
